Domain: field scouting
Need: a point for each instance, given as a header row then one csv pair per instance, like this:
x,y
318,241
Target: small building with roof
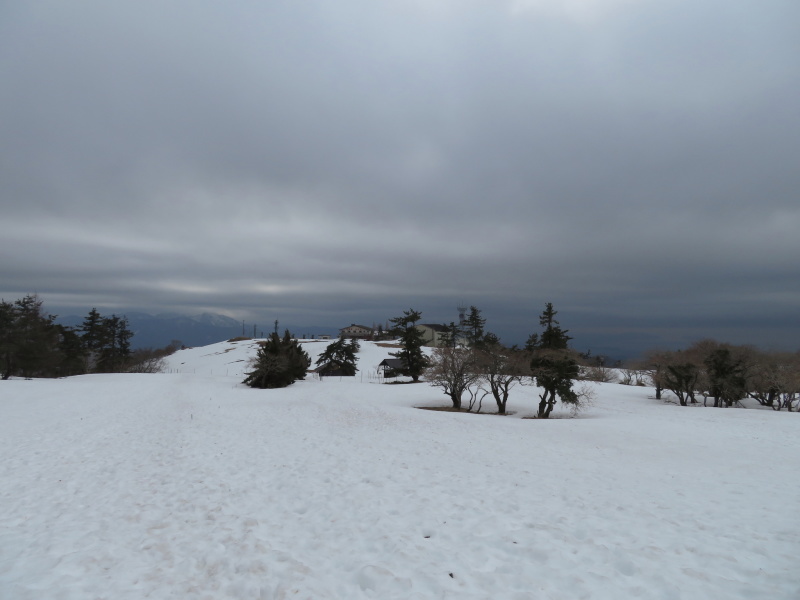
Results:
x,y
435,335
353,331
391,367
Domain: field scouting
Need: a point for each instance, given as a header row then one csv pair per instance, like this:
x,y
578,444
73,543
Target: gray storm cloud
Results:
x,y
633,162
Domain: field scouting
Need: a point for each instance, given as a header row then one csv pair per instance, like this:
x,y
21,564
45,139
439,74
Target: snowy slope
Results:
x,y
189,485
231,358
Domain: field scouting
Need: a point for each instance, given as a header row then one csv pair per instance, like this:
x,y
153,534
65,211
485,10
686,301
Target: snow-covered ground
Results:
x,y
189,485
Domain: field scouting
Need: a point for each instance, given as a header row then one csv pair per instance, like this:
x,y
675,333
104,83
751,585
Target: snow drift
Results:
x,y
191,485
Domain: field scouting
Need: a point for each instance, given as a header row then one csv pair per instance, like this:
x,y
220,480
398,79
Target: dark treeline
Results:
x,y
33,345
720,374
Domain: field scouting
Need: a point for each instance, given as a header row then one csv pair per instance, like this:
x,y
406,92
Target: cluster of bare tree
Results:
x,y
723,374
475,373
484,366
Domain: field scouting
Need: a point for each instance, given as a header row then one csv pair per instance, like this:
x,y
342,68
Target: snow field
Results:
x,y
190,485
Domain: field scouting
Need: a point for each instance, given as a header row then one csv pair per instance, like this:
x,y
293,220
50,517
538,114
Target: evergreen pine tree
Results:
x,y
473,327
451,335
93,337
113,345
6,339
339,358
411,340
279,362
92,330
553,337
553,364
72,352
34,339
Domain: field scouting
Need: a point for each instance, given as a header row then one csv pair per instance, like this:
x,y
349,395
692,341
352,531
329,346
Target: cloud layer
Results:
x,y
633,162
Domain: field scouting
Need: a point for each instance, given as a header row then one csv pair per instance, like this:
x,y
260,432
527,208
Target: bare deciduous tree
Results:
x,y
501,370
634,373
454,371
599,373
775,380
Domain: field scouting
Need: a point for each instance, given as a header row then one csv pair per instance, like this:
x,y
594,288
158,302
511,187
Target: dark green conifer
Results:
x,y
473,327
34,339
553,364
411,339
113,344
279,362
339,358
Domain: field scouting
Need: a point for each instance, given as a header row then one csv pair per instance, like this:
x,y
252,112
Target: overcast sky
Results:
x,y
635,162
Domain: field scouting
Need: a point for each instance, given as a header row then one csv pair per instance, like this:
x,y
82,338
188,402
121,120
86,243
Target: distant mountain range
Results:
x,y
156,331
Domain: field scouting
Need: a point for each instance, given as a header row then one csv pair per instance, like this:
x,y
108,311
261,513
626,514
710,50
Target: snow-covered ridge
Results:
x,y
231,358
192,485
